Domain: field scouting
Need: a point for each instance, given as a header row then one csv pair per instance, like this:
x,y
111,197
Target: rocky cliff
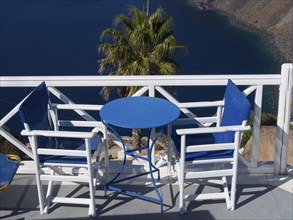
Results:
x,y
274,18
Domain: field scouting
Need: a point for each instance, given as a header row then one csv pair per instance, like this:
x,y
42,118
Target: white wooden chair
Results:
x,y
60,150
213,145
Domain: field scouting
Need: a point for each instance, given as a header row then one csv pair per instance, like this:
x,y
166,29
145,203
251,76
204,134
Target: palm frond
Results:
x,y
140,44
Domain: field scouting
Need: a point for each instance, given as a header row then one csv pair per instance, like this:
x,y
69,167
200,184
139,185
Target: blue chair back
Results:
x,y
236,109
34,112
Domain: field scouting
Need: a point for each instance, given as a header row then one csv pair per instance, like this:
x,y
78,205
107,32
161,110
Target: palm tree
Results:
x,y
139,44
147,7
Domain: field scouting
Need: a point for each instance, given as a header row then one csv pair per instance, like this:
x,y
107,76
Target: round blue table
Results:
x,y
138,113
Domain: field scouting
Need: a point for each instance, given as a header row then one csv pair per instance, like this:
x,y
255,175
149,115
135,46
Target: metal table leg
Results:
x,y
152,168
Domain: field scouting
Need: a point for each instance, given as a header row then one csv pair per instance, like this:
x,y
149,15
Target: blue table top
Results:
x,y
139,112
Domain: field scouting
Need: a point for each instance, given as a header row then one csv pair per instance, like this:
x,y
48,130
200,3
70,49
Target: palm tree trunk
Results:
x,y
136,138
147,7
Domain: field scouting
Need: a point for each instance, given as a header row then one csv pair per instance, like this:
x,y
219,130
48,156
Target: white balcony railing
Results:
x,y
154,85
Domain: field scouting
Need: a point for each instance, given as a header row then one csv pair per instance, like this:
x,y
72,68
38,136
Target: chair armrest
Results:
x,y
201,104
76,107
188,121
68,123
206,130
66,134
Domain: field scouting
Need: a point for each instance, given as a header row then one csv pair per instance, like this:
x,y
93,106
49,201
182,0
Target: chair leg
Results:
x,y
97,164
92,206
178,171
106,164
105,146
181,176
226,191
169,152
40,190
234,176
233,191
49,192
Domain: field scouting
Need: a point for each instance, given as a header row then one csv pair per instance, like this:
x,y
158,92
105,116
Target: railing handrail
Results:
x,y
153,84
157,80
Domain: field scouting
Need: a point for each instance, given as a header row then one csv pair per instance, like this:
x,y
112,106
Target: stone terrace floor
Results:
x,y
258,197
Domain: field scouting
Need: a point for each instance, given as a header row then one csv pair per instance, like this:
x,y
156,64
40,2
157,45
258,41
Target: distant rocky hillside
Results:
x,y
273,17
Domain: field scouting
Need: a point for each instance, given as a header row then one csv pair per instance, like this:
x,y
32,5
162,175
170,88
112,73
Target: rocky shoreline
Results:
x,y
273,19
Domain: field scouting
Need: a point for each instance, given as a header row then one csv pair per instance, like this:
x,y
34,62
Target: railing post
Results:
x,y
152,93
256,126
283,121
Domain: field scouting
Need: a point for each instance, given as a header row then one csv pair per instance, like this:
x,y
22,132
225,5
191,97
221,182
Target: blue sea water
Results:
x,y
60,37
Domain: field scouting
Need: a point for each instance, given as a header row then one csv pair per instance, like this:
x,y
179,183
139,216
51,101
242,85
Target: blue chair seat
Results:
x,y
8,169
70,159
203,155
